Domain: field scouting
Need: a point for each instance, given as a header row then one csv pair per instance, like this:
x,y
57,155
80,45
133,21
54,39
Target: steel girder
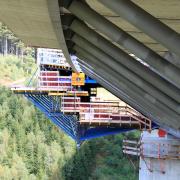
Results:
x,y
121,57
158,63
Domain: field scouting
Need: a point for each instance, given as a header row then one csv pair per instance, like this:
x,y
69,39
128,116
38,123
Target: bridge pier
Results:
x,y
159,156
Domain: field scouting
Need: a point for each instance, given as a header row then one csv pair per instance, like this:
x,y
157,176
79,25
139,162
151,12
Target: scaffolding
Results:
x,y
59,93
105,113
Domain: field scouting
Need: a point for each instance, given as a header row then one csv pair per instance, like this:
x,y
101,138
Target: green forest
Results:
x,y
32,148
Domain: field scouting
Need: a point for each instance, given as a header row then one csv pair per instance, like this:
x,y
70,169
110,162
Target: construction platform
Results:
x,y
105,113
69,100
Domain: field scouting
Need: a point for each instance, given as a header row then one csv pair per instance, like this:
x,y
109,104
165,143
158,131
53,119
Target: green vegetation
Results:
x,y
31,147
13,68
16,60
101,159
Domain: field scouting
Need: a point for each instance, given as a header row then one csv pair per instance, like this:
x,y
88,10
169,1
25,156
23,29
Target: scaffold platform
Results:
x,y
66,98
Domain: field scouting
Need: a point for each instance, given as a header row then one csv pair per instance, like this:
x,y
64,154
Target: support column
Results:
x,y
159,156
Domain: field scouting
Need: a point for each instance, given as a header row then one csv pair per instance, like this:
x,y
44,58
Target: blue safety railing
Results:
x,y
51,108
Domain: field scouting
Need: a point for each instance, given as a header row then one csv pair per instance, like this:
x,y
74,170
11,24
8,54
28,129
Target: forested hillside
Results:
x,y
13,68
9,44
16,61
32,148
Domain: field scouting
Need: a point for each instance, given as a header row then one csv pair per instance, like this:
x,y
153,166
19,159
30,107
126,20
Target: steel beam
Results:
x,y
146,22
159,64
155,108
124,72
123,58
